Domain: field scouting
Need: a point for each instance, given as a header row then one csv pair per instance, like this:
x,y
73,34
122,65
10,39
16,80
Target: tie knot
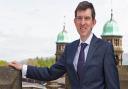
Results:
x,y
83,45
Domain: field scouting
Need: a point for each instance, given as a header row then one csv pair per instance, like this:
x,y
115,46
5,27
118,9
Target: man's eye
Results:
x,y
79,18
87,18
83,18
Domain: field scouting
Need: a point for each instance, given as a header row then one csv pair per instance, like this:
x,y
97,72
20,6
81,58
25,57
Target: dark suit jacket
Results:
x,y
100,71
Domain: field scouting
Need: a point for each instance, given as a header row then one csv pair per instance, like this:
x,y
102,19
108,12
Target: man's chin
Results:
x,y
83,36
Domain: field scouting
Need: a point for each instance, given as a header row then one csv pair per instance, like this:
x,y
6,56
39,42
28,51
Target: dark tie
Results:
x,y
81,61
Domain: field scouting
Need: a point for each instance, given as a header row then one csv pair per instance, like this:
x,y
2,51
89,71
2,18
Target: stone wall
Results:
x,y
123,76
10,78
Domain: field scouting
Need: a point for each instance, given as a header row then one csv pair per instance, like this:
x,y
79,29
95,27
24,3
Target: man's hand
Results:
x,y
15,65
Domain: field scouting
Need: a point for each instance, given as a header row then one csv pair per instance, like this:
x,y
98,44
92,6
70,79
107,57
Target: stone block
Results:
x,y
10,78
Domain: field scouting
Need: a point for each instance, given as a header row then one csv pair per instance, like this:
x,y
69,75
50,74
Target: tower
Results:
x,y
62,40
111,34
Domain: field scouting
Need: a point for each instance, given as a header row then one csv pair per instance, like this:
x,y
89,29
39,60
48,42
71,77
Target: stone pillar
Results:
x,y
10,78
67,83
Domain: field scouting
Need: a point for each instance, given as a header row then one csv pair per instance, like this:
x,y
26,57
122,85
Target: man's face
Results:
x,y
84,22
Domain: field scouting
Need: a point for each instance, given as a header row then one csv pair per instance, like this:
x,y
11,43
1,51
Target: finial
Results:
x,y
111,11
111,14
64,25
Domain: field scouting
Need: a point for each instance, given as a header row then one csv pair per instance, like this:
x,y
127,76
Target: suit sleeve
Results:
x,y
47,74
110,69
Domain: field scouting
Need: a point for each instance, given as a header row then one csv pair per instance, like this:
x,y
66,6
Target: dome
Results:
x,y
111,28
63,37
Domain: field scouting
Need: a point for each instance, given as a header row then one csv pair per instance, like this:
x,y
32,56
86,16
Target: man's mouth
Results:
x,y
82,28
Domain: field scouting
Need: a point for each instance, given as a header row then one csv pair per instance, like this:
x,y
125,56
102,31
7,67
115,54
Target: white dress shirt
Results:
x,y
85,50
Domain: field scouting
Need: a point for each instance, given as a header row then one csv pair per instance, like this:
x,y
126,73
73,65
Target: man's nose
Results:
x,y
83,21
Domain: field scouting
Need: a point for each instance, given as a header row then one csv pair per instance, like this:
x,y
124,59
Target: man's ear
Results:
x,y
94,22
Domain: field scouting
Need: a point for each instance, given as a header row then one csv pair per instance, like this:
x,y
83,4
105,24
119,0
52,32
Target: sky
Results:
x,y
29,28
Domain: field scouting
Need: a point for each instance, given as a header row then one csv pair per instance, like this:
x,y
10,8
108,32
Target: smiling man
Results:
x,y
88,61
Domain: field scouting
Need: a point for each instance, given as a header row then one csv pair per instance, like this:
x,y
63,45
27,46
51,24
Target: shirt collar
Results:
x,y
88,41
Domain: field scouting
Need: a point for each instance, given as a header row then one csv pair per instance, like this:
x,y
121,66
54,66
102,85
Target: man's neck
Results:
x,y
83,39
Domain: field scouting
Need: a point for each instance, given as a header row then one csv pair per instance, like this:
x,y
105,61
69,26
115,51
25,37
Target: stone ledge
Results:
x,y
10,78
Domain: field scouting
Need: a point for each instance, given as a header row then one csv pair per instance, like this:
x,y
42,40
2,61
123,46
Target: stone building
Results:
x,y
62,40
111,34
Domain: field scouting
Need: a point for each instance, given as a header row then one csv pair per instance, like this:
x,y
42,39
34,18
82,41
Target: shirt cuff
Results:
x,y
24,71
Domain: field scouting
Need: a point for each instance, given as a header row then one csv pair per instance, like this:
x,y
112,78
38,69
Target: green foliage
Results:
x,y
3,63
41,62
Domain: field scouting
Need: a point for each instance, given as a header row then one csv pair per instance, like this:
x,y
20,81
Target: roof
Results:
x,y
63,36
111,28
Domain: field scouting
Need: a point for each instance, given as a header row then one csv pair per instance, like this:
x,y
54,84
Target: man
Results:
x,y
89,61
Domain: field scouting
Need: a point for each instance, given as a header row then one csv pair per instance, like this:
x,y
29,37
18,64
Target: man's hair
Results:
x,y
85,5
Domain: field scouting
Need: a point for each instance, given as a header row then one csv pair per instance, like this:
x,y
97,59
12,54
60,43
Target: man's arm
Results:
x,y
43,73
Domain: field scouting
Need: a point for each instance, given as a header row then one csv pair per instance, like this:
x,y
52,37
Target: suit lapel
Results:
x,y
74,48
91,50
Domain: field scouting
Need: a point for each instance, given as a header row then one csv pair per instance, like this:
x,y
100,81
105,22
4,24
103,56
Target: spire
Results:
x,y
64,25
111,15
111,12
